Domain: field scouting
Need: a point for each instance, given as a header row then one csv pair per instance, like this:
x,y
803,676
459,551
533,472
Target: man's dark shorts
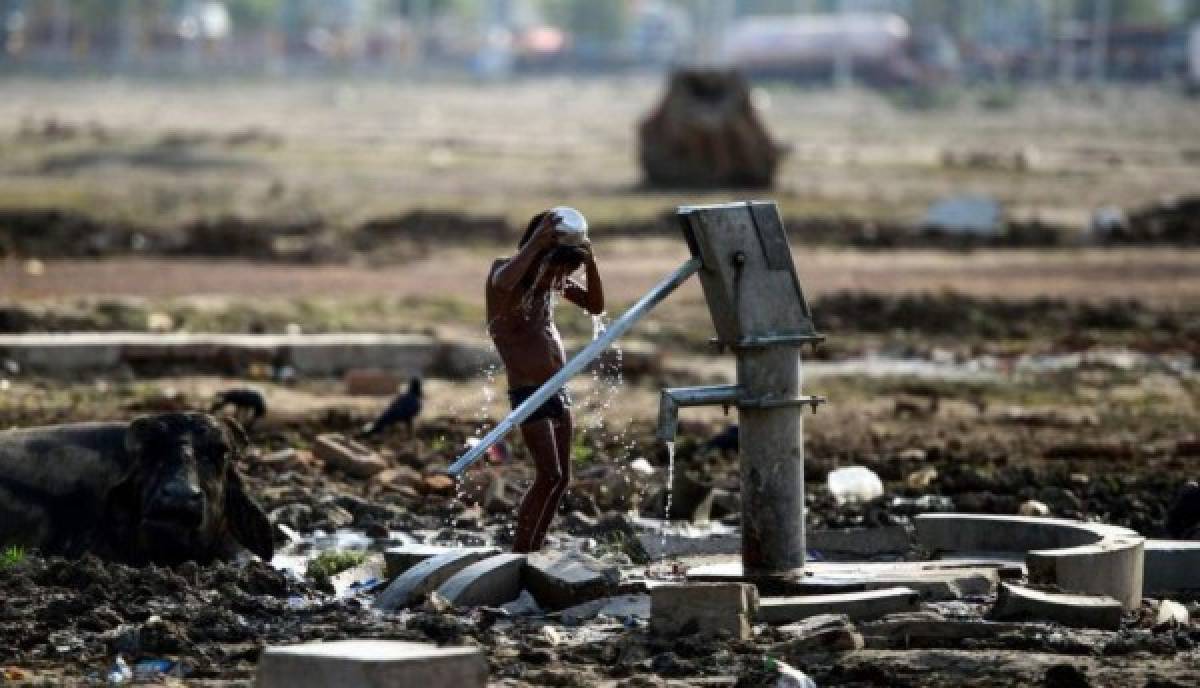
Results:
x,y
554,408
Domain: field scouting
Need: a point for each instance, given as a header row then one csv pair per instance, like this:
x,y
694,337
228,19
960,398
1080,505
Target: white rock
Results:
x,y
854,484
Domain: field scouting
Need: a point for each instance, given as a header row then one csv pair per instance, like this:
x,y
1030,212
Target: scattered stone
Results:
x,y
922,479
437,483
704,609
1033,508
371,664
854,484
559,580
642,467
857,606
821,633
397,476
426,576
490,582
1170,615
348,456
1015,602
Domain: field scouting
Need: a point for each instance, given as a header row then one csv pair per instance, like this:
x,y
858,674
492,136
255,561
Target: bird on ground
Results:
x,y
403,409
248,404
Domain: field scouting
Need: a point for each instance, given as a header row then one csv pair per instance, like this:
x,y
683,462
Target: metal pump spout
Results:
x,y
674,398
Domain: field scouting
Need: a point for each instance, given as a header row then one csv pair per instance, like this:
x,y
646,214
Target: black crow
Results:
x,y
726,440
403,409
248,404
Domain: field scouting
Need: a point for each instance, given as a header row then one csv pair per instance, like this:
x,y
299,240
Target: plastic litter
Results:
x,y
854,484
150,669
120,673
791,677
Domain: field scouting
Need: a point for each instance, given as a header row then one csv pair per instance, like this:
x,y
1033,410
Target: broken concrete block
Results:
x,y
821,633
427,576
371,382
371,664
1172,566
559,580
857,606
703,608
348,456
861,542
620,608
490,582
1014,602
397,560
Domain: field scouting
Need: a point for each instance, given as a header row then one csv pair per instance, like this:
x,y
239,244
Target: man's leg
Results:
x,y
562,443
548,485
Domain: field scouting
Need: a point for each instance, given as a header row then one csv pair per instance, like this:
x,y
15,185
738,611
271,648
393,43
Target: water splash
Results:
x,y
666,522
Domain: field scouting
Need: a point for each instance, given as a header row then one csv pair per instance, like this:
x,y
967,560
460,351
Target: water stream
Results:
x,y
670,482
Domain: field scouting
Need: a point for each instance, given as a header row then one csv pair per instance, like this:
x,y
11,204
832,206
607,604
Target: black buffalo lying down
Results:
x,y
162,488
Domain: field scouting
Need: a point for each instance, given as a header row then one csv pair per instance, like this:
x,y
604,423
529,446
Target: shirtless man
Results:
x,y
520,317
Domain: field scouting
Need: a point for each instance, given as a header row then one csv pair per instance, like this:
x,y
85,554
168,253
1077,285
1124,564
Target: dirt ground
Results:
x,y
1064,375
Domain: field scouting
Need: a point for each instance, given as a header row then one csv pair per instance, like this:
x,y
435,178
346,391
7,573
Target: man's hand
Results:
x,y
586,247
546,235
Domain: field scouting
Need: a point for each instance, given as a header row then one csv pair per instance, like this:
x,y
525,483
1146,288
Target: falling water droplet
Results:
x,y
667,512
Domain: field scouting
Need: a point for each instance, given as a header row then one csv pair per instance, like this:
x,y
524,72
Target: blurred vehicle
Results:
x,y
879,48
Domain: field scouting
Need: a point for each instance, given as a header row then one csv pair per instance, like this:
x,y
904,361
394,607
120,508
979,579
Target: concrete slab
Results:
x,y
703,608
860,542
559,580
1172,566
930,629
621,608
397,560
428,575
857,606
489,582
1015,602
934,580
1088,558
820,633
310,354
371,664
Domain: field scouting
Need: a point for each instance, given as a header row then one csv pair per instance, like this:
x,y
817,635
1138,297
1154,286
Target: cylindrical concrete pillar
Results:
x,y
772,462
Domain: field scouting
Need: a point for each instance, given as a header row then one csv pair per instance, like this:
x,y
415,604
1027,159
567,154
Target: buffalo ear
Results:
x,y
248,523
236,432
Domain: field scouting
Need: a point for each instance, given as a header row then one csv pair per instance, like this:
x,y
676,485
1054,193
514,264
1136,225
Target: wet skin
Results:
x,y
521,322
